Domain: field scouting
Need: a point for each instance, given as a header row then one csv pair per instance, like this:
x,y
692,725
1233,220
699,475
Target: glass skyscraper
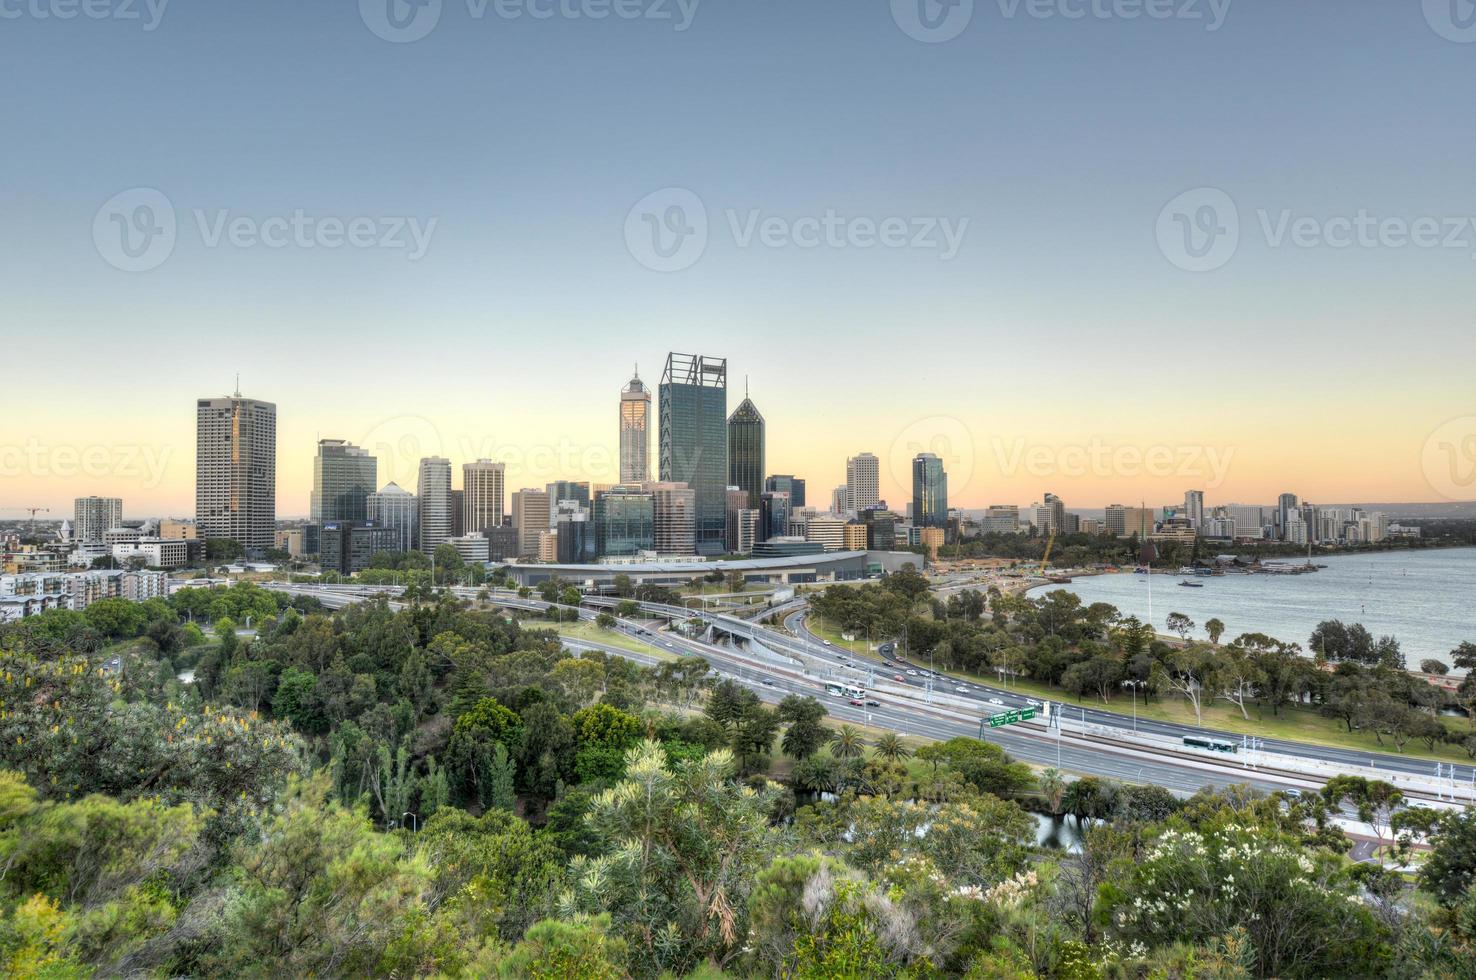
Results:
x,y
635,445
929,491
787,483
746,451
343,478
694,439
625,522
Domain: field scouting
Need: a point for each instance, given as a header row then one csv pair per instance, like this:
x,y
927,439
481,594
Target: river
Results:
x,y
1425,598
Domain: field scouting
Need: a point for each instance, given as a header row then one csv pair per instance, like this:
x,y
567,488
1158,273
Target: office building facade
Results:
x,y
481,495
625,522
236,470
530,510
635,440
694,439
343,478
92,517
395,507
674,517
434,499
863,482
746,451
929,491
790,484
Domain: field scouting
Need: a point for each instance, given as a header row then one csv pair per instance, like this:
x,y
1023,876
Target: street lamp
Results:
x,y
1135,685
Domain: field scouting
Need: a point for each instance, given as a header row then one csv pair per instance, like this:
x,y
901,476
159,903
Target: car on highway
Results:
x,y
857,702
961,689
898,677
1032,702
767,682
912,673
995,701
827,643
873,703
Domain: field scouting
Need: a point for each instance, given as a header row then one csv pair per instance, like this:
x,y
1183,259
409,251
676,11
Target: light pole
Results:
x,y
1134,685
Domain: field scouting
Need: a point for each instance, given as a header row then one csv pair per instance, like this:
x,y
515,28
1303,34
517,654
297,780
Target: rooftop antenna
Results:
x,y
238,385
745,386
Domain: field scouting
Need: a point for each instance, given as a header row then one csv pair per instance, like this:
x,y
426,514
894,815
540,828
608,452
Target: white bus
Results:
x,y
845,691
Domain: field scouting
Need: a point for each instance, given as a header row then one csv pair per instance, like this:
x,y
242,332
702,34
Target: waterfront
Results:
x,y
1422,597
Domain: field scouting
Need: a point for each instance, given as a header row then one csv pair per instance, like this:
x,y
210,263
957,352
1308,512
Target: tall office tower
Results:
x,y
434,493
481,495
94,516
1194,507
674,516
458,513
343,478
566,497
774,510
1059,522
1285,505
694,439
236,470
747,533
785,483
863,481
530,516
625,520
929,491
746,450
394,507
737,501
635,444
576,539
840,500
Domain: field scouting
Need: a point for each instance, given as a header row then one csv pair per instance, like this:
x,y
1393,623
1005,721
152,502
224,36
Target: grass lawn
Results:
x,y
1292,724
591,633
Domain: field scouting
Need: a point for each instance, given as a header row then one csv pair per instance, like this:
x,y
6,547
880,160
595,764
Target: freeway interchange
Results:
x,y
1093,742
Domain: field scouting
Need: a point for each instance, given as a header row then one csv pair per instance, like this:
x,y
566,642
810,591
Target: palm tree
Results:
x,y
816,773
890,747
1053,786
846,743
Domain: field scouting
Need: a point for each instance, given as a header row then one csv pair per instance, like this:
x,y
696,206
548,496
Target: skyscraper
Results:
x,y
236,470
674,518
394,507
624,522
1194,507
94,516
530,508
774,510
343,478
481,495
1285,505
863,481
929,491
434,493
694,439
635,444
786,483
746,450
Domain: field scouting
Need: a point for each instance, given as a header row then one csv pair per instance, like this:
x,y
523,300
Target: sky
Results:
x,y
1110,249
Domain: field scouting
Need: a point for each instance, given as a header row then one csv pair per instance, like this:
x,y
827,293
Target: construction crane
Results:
x,y
1046,558
33,511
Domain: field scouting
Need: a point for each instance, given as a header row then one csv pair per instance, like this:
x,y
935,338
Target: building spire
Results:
x,y
238,385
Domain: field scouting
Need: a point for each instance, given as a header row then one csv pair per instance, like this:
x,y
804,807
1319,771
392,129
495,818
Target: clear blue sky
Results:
x,y
529,141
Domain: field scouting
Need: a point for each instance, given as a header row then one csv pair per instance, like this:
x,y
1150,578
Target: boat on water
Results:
x,y
1191,585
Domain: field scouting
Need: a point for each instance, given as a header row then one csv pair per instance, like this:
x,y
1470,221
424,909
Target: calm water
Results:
x,y
1425,598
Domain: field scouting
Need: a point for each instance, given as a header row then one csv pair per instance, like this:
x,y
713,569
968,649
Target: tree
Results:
x,y
889,747
847,743
1449,873
1180,624
553,949
1053,788
1188,669
805,734
683,846
1216,629
470,752
1374,799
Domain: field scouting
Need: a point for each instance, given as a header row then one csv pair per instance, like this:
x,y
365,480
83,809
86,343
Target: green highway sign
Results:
x,y
1010,717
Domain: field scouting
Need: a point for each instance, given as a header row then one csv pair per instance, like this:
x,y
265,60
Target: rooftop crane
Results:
x,y
1046,558
33,511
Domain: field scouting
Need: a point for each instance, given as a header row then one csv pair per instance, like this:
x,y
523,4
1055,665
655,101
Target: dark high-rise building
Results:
x,y
347,546
625,522
694,439
560,491
785,483
774,510
503,542
236,470
881,529
343,478
746,451
576,541
929,491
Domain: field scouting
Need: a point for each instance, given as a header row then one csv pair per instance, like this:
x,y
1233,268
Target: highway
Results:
x,y
773,680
